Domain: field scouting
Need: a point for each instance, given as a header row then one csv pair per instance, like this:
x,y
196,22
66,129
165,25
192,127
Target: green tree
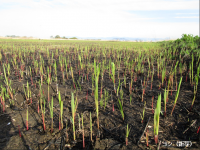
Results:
x,y
73,38
57,36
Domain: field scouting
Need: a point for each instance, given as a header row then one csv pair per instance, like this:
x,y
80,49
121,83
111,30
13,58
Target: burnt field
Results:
x,y
98,95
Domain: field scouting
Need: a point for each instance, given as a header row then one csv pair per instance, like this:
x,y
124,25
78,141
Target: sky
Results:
x,y
99,18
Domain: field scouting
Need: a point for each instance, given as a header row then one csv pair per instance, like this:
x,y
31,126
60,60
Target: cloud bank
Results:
x,y
92,18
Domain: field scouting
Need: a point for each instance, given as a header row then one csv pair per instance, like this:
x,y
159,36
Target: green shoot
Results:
x,y
113,75
73,114
83,132
27,119
51,113
96,73
165,100
61,113
90,127
143,112
127,134
121,109
177,94
156,119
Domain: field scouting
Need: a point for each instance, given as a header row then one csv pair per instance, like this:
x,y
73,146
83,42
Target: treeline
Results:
x,y
59,37
15,36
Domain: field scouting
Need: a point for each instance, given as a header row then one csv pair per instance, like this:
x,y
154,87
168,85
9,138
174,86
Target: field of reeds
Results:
x,y
99,94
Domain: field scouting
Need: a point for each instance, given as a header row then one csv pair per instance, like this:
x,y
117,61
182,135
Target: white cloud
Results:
x,y
187,13
91,18
108,5
188,17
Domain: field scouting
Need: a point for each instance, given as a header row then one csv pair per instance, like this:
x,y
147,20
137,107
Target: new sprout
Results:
x,y
127,134
177,94
157,118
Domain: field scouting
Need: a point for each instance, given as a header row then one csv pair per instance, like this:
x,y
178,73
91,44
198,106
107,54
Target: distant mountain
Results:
x,y
121,38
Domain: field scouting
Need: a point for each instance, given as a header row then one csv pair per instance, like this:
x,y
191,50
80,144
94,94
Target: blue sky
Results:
x,y
100,18
189,15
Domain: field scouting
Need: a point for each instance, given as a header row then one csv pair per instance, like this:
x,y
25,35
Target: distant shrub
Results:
x,y
64,37
57,36
188,42
73,38
184,47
